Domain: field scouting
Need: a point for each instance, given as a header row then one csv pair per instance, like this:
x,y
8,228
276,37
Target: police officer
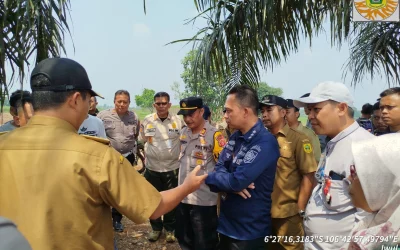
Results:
x,y
58,186
390,108
122,129
294,175
292,118
201,144
160,132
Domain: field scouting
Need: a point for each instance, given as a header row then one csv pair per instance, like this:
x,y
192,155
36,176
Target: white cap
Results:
x,y
324,91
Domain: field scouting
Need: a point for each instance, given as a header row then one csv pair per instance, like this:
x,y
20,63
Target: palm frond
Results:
x,y
375,50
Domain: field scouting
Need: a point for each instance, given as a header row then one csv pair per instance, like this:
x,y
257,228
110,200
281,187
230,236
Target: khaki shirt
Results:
x,y
316,146
295,161
58,186
204,151
162,146
121,131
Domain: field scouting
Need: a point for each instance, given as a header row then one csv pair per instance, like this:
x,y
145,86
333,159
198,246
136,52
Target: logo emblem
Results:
x,y
183,105
250,156
307,148
375,10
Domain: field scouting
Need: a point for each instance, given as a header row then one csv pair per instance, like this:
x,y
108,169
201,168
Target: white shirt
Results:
x,y
338,217
92,126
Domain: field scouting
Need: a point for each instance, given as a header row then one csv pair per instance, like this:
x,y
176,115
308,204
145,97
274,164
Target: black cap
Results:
x,y
189,105
207,112
367,109
305,95
272,100
64,75
24,96
291,105
376,106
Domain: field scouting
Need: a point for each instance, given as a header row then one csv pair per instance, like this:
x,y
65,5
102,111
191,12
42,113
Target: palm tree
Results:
x,y
242,35
375,48
29,28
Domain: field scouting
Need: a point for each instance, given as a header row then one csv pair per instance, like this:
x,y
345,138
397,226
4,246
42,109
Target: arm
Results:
x,y
102,131
305,160
142,137
306,188
137,129
247,172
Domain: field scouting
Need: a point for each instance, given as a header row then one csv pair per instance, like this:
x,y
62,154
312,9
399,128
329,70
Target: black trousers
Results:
x,y
196,227
227,243
163,181
117,216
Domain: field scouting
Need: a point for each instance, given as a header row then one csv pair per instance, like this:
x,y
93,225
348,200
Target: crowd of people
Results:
x,y
265,181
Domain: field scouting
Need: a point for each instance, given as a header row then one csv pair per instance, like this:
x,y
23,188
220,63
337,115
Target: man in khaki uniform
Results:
x,y
122,129
293,180
201,144
58,186
160,131
292,118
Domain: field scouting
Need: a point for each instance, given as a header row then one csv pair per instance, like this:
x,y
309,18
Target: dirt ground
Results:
x,y
135,237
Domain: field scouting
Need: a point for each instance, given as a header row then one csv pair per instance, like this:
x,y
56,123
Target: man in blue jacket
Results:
x,y
245,174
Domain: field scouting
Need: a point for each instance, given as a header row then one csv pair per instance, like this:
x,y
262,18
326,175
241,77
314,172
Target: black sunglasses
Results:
x,y
161,103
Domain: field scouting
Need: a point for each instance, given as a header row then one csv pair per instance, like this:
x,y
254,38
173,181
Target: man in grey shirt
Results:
x,y
122,129
21,110
330,214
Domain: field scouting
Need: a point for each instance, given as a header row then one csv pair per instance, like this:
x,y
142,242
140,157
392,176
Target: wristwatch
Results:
x,y
302,213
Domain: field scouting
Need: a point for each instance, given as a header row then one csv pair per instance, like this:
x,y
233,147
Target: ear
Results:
x,y
201,111
169,105
74,99
283,112
342,108
297,114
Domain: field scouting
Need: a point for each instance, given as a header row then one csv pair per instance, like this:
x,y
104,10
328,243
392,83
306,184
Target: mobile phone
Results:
x,y
335,176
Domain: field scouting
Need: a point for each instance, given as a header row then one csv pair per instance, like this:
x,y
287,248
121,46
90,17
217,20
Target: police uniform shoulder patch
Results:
x,y
98,139
220,139
307,148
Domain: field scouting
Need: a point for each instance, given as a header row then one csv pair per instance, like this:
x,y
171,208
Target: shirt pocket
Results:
x,y
340,197
285,152
109,127
198,157
130,128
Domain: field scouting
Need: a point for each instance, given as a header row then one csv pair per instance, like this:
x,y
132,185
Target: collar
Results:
x,y
349,130
300,126
155,116
50,121
252,132
285,130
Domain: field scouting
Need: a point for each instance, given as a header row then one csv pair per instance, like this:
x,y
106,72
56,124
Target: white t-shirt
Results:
x,y
92,126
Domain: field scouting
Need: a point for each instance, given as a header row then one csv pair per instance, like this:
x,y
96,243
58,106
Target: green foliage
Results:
x,y
213,91
29,29
264,89
146,99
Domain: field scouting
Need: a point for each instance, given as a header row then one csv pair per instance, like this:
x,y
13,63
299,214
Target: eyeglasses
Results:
x,y
161,103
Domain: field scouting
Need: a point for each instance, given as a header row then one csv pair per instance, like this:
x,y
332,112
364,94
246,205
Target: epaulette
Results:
x,y
98,139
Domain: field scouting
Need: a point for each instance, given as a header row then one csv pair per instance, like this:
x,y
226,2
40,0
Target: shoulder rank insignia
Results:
x,y
98,139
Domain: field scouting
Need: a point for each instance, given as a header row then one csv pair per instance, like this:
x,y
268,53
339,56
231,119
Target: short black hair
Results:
x,y
391,91
376,106
44,100
367,109
161,94
246,96
20,97
122,92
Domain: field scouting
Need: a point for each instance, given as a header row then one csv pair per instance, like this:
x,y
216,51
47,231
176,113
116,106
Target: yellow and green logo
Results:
x,y
376,10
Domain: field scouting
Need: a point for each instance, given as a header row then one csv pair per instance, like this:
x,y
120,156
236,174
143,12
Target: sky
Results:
x,y
121,47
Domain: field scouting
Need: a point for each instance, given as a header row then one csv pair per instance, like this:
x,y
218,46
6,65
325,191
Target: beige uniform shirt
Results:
x,y
200,149
313,139
162,146
121,131
296,160
58,186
